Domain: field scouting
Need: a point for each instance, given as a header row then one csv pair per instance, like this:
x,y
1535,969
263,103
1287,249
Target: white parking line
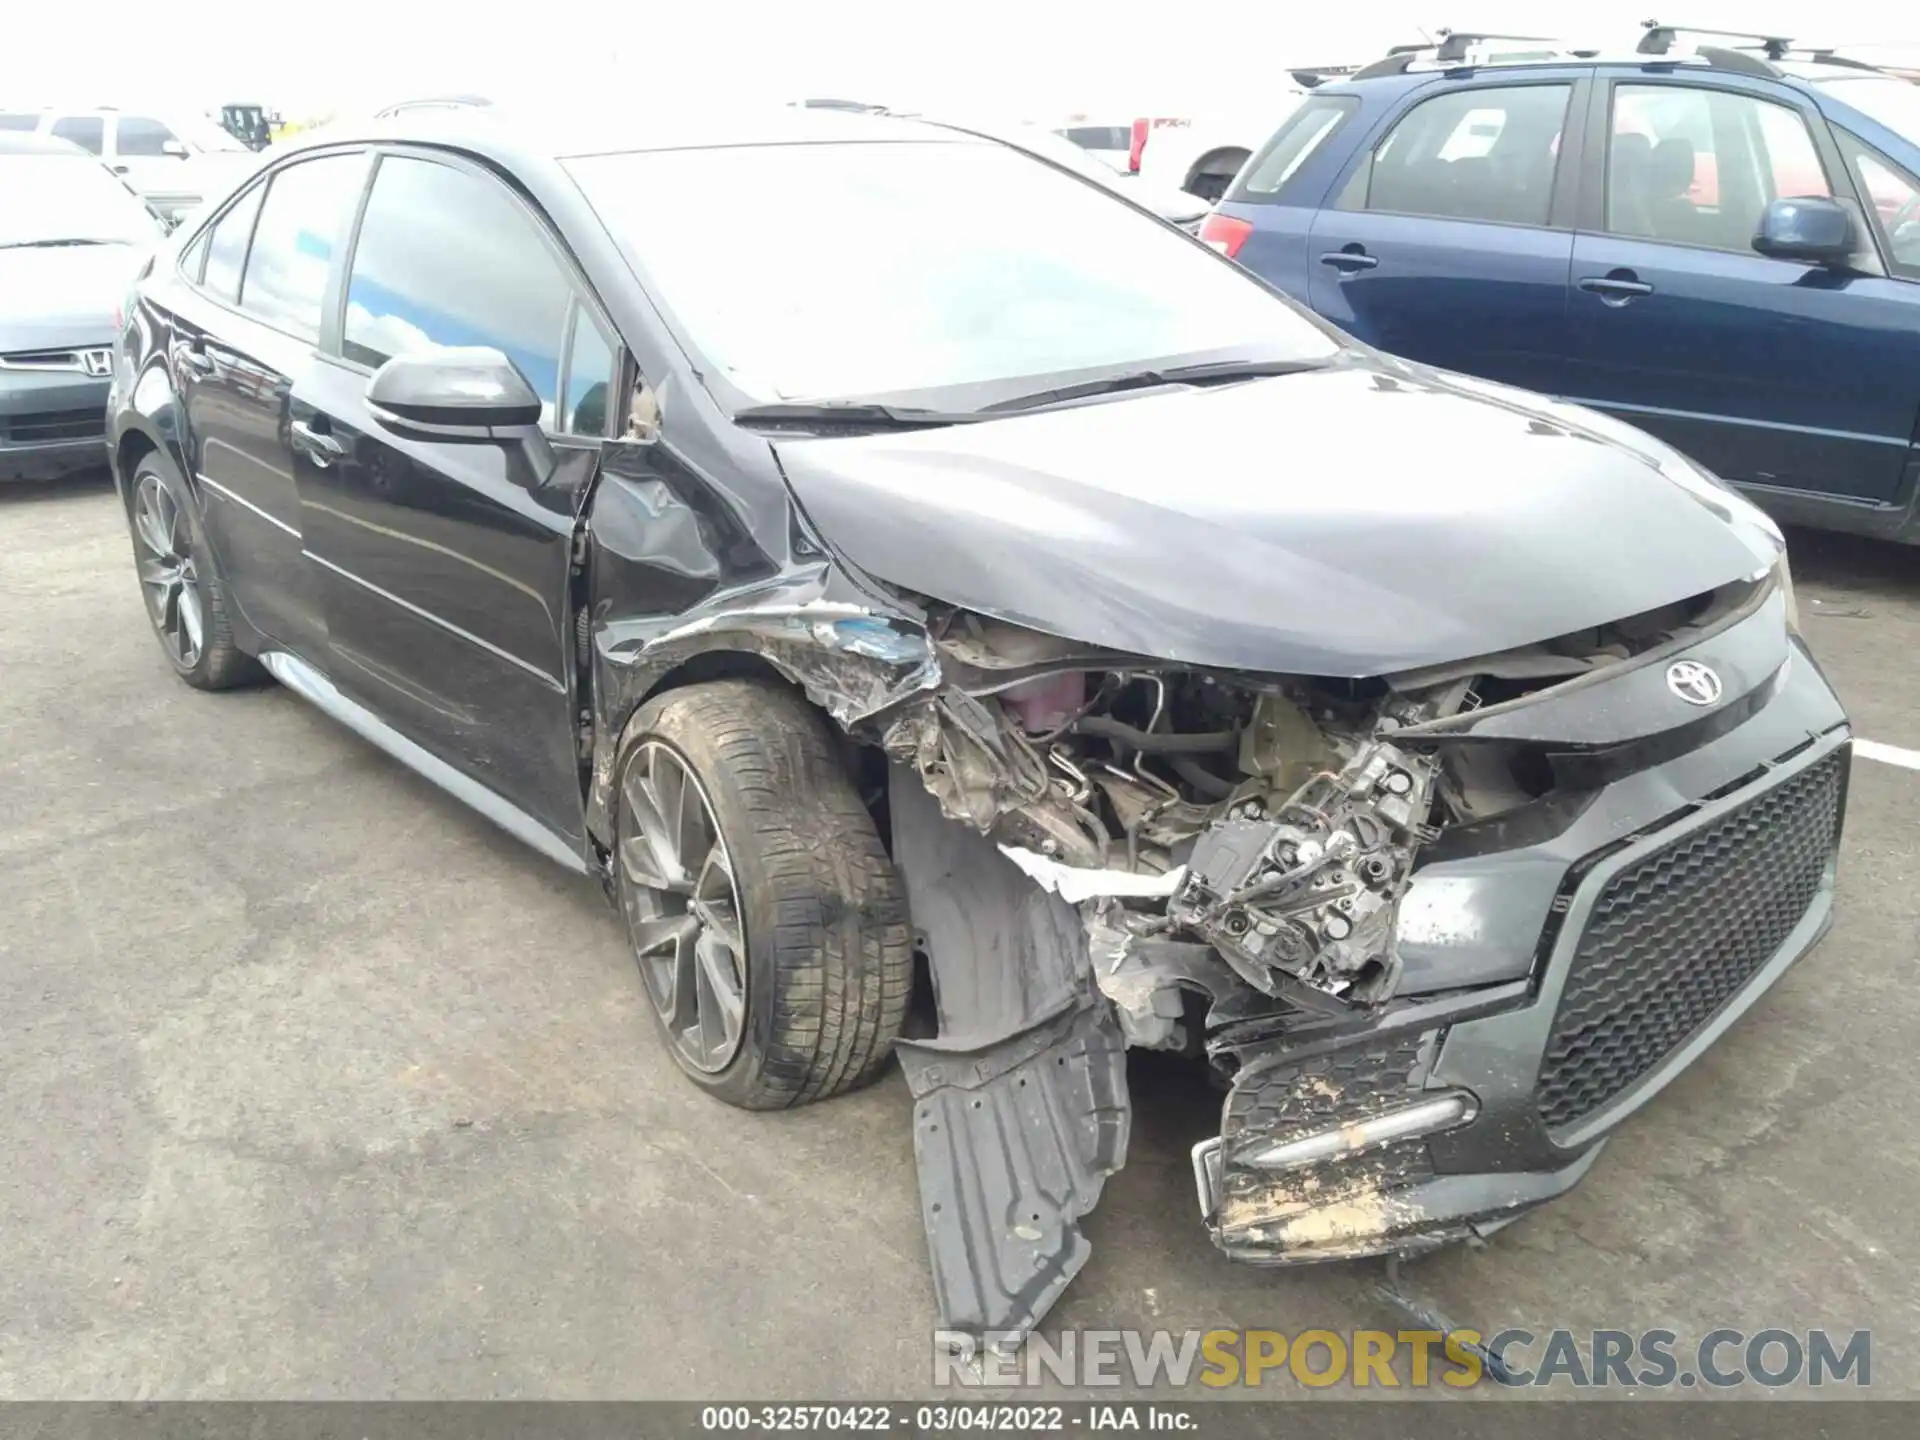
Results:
x,y
1887,754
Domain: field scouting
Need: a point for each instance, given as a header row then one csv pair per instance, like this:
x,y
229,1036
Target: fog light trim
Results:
x,y
1428,1117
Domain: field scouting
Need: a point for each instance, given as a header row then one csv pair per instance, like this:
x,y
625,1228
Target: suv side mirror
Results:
x,y
472,393
173,148
1812,229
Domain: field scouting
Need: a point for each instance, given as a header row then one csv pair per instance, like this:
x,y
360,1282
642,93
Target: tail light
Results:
x,y
1137,146
1225,233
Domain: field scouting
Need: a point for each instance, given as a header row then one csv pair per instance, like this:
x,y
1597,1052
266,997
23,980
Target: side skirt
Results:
x,y
315,688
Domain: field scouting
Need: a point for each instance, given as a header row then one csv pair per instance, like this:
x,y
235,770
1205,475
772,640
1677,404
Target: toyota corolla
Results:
x,y
885,560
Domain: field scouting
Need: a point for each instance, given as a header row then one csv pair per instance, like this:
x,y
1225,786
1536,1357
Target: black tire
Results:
x,y
1214,173
217,662
829,964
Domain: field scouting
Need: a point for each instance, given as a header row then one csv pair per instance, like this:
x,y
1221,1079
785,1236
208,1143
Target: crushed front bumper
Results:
x,y
1656,942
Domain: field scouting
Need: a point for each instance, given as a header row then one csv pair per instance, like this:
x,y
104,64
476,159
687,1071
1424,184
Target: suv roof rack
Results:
x,y
1454,47
1308,76
1659,38
1821,55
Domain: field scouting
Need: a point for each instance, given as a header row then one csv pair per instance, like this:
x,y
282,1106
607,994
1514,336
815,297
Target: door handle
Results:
x,y
1349,260
120,169
193,358
321,447
1615,288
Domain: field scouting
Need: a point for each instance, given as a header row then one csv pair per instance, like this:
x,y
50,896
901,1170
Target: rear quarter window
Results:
x,y
1318,119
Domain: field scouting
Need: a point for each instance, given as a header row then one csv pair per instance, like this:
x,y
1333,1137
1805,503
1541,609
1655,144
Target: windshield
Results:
x,y
848,270
68,197
1894,103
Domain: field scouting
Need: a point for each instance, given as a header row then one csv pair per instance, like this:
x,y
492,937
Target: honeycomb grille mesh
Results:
x,y
1342,1087
1678,934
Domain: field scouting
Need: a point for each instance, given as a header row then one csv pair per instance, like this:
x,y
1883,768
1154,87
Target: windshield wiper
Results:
x,y
48,244
860,414
1202,374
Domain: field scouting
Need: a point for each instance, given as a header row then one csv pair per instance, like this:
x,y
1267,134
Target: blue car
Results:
x,y
1721,247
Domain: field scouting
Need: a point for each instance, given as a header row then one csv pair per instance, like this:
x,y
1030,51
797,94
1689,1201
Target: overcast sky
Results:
x,y
1032,58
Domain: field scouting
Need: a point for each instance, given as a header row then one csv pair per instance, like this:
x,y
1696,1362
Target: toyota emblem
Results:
x,y
1693,682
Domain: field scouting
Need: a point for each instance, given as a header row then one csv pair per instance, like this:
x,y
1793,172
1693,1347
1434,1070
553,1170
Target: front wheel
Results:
x,y
180,580
768,923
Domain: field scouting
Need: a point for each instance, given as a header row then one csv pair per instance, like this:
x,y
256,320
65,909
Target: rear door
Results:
x,y
1279,190
1769,372
1448,240
446,565
244,334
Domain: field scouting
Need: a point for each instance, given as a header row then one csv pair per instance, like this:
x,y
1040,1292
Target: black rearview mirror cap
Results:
x,y
470,391
1809,228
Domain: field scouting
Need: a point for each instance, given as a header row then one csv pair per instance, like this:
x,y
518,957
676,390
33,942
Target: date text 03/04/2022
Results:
x,y
981,1417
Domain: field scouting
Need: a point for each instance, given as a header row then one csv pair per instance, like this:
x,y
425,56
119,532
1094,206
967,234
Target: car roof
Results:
x,y
507,133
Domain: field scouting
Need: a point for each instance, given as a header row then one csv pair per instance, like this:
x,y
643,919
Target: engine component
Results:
x,y
1312,892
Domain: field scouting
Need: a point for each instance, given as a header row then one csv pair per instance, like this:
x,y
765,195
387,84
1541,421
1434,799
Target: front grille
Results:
x,y
1675,936
42,360
83,424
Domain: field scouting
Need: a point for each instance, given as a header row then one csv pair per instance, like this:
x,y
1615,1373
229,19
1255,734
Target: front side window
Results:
x,y
227,245
920,265
1693,166
82,130
137,135
583,410
447,258
1292,145
301,221
1486,154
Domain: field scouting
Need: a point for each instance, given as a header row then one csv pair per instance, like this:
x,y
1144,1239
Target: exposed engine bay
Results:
x,y
1277,820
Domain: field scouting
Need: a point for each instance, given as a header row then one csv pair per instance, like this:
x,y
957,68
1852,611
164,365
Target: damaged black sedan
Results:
x,y
878,554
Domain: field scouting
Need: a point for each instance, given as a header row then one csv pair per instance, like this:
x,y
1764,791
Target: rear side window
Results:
x,y
1292,145
139,136
227,245
448,258
306,210
81,130
1484,154
19,122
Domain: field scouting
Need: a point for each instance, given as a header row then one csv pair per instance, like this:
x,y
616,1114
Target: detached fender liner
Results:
x,y
1020,1104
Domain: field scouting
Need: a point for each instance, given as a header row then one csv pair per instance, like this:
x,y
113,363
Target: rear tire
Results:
x,y
180,580
787,923
1214,173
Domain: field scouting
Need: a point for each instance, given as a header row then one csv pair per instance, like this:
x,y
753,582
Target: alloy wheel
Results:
x,y
168,578
682,907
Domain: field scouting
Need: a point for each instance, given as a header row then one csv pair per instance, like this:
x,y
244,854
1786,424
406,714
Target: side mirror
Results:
x,y
1810,229
173,148
454,394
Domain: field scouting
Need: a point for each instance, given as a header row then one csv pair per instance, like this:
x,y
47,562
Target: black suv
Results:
x,y
922,562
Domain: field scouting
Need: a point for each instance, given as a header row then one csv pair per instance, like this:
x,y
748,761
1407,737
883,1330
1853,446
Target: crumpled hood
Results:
x,y
63,295
1360,520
